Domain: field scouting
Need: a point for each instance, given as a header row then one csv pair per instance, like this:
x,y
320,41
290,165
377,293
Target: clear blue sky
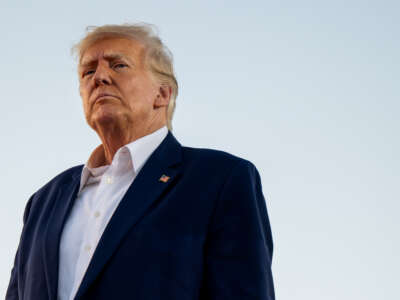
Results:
x,y
306,90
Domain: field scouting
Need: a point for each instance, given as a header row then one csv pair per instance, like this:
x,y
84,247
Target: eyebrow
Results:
x,y
109,57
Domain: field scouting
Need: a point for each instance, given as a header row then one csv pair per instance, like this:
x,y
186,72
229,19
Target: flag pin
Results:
x,y
164,178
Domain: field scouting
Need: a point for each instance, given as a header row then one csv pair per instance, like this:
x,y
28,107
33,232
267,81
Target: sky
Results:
x,y
306,90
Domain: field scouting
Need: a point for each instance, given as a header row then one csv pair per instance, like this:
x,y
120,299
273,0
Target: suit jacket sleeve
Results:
x,y
239,243
12,290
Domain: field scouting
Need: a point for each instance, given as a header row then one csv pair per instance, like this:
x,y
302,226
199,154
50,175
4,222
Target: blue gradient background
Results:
x,y
306,90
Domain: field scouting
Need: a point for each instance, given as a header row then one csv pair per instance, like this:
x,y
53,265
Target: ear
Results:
x,y
163,96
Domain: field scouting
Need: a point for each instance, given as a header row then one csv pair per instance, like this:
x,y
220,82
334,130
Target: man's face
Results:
x,y
115,86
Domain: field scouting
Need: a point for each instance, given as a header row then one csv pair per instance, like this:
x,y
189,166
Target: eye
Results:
x,y
119,66
89,72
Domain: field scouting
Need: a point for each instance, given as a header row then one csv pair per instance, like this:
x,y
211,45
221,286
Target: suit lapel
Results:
x,y
145,189
65,196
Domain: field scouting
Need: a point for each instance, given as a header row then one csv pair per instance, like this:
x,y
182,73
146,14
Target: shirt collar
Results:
x,y
139,151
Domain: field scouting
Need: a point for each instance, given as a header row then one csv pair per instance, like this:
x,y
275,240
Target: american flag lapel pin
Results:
x,y
164,178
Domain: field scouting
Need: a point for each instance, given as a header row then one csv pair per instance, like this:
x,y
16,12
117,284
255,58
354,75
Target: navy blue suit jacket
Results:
x,y
202,235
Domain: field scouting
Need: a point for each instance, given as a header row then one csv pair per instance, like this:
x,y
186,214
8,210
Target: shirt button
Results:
x,y
97,214
109,179
87,248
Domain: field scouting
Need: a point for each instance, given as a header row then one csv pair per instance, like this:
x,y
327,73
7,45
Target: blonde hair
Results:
x,y
158,58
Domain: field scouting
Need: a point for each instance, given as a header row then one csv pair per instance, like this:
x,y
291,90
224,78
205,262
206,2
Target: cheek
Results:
x,y
139,93
84,96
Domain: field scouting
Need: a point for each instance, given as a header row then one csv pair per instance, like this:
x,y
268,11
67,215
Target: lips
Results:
x,y
102,96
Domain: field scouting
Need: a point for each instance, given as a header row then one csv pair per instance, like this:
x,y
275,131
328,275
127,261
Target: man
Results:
x,y
144,218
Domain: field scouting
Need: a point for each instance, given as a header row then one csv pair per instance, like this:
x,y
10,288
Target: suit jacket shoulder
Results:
x,y
50,188
212,160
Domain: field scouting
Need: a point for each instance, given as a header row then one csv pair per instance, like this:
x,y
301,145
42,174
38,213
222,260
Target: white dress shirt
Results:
x,y
102,187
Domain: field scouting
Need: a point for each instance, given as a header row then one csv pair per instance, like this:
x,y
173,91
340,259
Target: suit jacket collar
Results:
x,y
147,187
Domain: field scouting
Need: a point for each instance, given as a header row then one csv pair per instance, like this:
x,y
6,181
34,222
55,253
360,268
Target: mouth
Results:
x,y
104,96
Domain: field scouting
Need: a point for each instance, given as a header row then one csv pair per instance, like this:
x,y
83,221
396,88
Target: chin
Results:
x,y
106,115
103,116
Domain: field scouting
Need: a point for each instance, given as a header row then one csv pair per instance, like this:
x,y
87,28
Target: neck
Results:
x,y
114,138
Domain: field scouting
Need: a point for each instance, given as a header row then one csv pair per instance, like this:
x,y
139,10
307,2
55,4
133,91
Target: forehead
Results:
x,y
113,47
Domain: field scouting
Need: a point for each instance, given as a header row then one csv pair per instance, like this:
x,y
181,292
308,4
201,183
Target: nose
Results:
x,y
102,76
